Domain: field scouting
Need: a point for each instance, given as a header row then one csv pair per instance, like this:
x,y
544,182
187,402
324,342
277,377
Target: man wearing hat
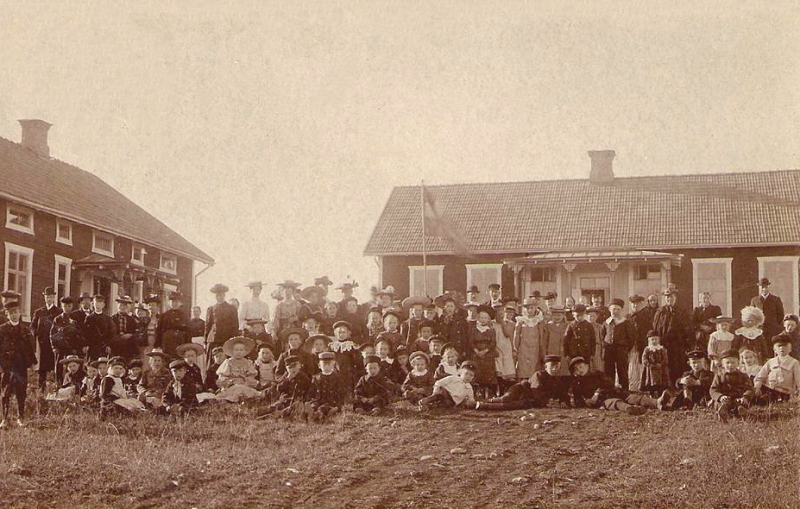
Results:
x,y
65,338
673,327
83,311
255,308
6,297
579,339
495,297
41,323
222,319
311,302
641,317
173,327
16,356
618,335
323,282
126,325
771,305
472,294
287,312
98,330
701,321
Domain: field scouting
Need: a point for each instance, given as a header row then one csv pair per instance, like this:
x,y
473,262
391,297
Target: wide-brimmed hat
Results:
x,y
557,309
125,299
237,340
219,288
151,298
255,284
255,321
764,281
410,302
347,286
323,280
308,290
71,358
385,291
12,305
308,344
670,291
288,283
635,298
157,352
82,296
722,319
530,301
285,333
536,294
550,296
182,349
11,294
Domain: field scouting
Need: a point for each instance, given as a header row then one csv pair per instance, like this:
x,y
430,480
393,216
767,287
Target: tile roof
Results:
x,y
722,209
63,189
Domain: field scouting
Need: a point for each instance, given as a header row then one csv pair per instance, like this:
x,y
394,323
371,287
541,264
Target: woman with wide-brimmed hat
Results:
x,y
287,312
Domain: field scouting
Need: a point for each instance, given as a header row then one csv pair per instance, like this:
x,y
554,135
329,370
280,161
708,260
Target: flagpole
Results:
x,y
424,251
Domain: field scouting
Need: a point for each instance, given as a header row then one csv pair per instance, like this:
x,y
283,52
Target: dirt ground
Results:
x,y
553,458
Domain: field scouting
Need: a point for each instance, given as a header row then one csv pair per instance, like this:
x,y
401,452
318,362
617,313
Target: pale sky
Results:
x,y
271,134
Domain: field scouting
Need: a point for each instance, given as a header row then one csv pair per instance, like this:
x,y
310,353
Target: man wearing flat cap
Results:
x,y
41,323
771,305
222,319
673,327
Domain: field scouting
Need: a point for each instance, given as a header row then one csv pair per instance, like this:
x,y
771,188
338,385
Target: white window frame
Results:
x,y
17,227
27,251
62,240
161,263
728,276
97,250
133,249
792,308
63,260
412,268
472,266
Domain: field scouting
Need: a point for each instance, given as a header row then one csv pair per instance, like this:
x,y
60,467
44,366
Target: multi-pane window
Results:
x,y
19,218
64,232
169,263
62,276
18,272
103,243
137,255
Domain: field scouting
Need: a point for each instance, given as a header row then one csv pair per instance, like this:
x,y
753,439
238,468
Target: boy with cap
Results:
x,y
779,377
16,356
41,324
291,390
374,324
374,390
424,334
155,380
694,385
391,333
113,397
71,384
435,349
731,390
189,353
180,398
294,339
65,338
131,379
618,336
536,392
254,329
495,298
454,391
593,389
328,389
579,338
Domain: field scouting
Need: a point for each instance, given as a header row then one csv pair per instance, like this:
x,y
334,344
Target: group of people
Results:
x,y
314,354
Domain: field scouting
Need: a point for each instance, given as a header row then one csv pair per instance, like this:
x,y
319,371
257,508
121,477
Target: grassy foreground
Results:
x,y
551,459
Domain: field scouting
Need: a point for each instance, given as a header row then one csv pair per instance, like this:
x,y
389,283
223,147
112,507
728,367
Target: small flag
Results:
x,y
437,224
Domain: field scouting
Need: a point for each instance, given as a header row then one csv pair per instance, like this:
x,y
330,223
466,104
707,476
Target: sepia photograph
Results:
x,y
399,254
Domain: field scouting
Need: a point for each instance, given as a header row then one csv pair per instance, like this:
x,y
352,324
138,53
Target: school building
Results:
x,y
614,236
63,227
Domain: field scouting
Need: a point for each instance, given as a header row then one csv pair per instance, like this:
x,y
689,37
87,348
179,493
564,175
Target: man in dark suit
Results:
x,y
772,306
618,335
16,356
100,330
701,321
41,323
673,327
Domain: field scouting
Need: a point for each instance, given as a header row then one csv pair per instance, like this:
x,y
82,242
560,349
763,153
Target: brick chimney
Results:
x,y
34,136
602,166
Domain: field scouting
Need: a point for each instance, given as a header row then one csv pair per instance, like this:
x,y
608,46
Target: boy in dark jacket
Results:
x,y
292,388
731,390
218,356
579,339
535,392
328,389
618,335
373,390
695,383
16,356
181,395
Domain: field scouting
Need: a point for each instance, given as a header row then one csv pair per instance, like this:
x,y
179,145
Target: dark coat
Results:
x,y
294,388
410,331
579,339
41,324
733,385
594,382
197,327
642,321
188,397
125,324
16,347
546,387
222,323
99,333
308,360
211,376
622,334
414,381
172,330
772,307
328,390
454,330
699,392
376,387
65,337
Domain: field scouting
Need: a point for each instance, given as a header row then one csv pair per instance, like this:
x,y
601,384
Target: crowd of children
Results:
x,y
328,356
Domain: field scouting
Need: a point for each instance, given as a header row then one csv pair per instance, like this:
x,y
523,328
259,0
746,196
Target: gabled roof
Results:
x,y
75,194
721,209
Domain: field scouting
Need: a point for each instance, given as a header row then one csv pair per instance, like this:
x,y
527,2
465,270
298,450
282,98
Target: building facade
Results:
x,y
604,235
63,227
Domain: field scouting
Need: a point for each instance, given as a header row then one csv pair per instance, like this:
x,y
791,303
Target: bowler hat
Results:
x,y
49,291
764,281
85,296
473,289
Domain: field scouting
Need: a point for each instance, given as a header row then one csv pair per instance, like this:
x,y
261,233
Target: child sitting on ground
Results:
x,y
90,386
389,366
265,368
291,390
535,392
373,390
732,390
592,389
422,342
72,383
694,384
435,345
155,380
181,395
419,382
402,367
131,379
315,345
113,398
328,390
295,343
217,358
189,353
454,391
748,363
237,374
655,366
779,377
391,332
448,366
720,341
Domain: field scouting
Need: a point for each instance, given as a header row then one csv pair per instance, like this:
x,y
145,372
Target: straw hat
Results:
x,y
237,340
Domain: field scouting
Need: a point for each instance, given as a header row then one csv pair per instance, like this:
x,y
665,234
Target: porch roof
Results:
x,y
114,267
557,257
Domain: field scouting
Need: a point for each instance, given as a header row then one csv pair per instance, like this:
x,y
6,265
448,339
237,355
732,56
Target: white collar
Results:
x,y
388,360
14,324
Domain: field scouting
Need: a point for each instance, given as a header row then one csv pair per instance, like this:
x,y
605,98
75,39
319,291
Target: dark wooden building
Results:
x,y
613,236
64,227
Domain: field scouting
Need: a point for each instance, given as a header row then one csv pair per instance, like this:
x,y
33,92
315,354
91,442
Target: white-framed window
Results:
x,y
18,274
782,272
62,276
19,218
484,274
63,231
137,254
713,275
434,276
103,243
169,263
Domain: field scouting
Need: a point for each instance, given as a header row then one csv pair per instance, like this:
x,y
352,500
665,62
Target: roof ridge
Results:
x,y
626,177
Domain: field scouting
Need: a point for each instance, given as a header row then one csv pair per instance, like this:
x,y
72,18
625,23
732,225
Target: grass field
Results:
x,y
554,459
